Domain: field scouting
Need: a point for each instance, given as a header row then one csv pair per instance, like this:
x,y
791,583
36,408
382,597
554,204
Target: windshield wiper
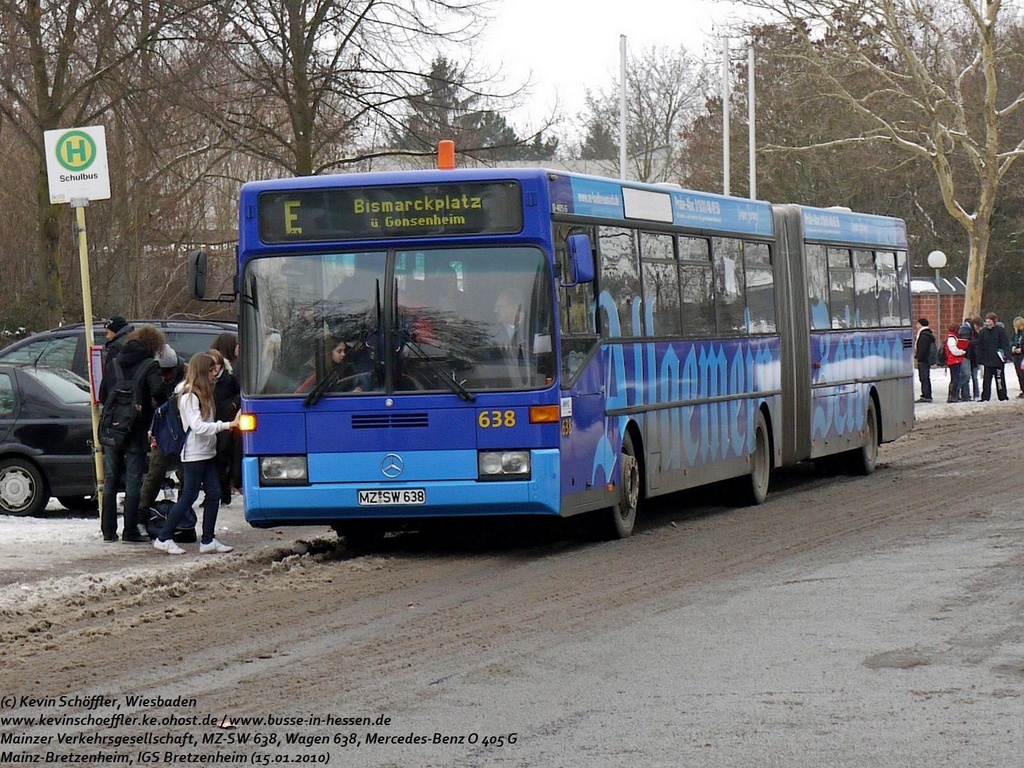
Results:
x,y
328,381
335,374
454,384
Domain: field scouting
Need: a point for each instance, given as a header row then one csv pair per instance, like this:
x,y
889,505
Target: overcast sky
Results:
x,y
566,46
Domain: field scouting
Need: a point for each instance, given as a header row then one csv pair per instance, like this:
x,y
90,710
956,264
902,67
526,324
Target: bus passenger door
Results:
x,y
584,444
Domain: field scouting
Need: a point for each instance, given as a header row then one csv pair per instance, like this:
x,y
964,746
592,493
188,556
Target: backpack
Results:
x,y
934,358
185,533
167,430
122,407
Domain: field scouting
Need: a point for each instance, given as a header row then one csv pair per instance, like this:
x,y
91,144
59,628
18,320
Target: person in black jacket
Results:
x,y
993,347
172,370
118,330
227,345
924,355
227,398
128,463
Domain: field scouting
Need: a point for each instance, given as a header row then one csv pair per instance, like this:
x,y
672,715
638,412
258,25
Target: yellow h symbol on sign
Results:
x,y
76,150
76,147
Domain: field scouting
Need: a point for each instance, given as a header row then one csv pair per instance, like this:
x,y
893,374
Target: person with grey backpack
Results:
x,y
172,369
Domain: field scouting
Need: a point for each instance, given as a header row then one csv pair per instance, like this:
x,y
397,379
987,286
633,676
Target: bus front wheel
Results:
x,y
361,536
621,517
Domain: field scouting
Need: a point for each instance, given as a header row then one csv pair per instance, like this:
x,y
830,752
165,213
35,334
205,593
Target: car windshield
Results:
x,y
65,385
460,319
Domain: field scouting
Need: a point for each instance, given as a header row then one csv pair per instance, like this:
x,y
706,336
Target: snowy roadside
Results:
x,y
939,408
59,554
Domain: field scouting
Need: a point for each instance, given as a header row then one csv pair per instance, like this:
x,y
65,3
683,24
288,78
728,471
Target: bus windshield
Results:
x,y
458,320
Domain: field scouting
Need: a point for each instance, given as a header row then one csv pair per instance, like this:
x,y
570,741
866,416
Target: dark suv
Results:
x,y
65,347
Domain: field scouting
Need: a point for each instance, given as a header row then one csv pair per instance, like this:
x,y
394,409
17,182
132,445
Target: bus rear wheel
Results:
x,y
754,487
619,520
862,461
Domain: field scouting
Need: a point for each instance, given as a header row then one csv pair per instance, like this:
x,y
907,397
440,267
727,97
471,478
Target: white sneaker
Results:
x,y
168,546
214,547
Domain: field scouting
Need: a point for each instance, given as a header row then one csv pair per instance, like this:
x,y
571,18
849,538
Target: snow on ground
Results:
x,y
58,555
939,408
62,555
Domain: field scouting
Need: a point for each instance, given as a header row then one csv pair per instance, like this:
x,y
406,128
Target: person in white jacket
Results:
x,y
198,456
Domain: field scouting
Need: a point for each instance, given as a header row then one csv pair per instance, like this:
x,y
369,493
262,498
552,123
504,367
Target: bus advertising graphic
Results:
x,y
513,342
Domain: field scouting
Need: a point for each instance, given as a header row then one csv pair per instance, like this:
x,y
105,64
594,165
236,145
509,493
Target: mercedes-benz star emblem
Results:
x,y
392,465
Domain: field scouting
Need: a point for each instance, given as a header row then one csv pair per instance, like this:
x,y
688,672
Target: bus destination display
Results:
x,y
314,215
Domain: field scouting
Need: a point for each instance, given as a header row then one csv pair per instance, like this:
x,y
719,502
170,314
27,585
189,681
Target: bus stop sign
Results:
x,y
76,164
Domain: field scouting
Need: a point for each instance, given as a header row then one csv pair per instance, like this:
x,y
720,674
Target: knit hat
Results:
x,y
168,357
924,322
116,323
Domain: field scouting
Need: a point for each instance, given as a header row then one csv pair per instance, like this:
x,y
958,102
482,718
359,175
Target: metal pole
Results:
x,y
750,122
622,107
725,116
83,262
938,304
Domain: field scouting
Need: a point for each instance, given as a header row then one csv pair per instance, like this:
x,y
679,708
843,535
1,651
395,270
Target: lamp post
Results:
x,y
937,260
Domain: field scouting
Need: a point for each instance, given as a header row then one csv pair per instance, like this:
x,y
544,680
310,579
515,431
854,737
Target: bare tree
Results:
x,y
308,76
933,78
63,65
665,90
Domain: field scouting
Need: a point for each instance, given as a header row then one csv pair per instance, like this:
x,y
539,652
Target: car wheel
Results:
x,y
22,488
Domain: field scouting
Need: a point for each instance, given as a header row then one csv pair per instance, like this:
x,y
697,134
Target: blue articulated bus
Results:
x,y
474,342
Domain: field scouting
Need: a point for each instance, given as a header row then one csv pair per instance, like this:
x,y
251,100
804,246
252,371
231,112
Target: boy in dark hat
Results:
x,y
117,331
128,463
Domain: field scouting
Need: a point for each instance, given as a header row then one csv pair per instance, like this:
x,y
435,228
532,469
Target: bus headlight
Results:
x,y
504,465
283,470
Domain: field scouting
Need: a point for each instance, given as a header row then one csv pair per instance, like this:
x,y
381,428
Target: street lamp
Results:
x,y
937,260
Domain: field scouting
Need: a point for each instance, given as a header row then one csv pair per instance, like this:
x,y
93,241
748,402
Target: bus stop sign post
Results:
x,y
76,170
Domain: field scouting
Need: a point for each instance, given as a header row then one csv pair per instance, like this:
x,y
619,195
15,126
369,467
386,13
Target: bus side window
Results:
x,y
730,301
865,286
888,292
817,288
697,286
660,283
903,286
840,279
620,279
757,270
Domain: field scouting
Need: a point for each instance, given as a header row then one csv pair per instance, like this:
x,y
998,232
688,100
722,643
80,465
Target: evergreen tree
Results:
x,y
447,108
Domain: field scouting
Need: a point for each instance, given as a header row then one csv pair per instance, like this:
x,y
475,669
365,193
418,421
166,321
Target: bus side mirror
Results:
x,y
581,260
197,274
